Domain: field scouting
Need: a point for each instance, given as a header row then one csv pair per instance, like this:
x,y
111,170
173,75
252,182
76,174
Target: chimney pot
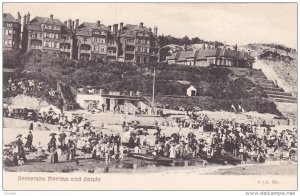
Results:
x,y
76,24
28,17
142,24
98,23
65,23
121,26
155,31
73,25
51,17
109,27
69,24
19,17
24,20
115,29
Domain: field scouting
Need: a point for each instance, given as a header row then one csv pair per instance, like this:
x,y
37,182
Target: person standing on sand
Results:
x,y
107,153
53,154
31,126
172,151
29,141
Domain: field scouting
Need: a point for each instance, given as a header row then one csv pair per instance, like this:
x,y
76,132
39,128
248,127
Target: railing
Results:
x,y
111,53
65,49
129,52
36,47
130,43
112,45
85,51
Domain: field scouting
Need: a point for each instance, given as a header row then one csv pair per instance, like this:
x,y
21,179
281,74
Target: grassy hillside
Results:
x,y
218,87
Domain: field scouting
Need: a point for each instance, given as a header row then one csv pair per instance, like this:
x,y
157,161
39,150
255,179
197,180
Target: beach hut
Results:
x,y
191,91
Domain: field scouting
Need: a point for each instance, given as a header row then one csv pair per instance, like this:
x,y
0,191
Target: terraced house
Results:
x,y
11,32
138,43
89,41
96,41
47,34
218,57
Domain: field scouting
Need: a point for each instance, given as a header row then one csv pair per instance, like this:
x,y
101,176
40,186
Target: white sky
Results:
x,y
231,23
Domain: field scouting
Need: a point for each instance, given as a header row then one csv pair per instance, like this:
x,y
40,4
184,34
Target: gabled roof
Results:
x,y
129,30
7,17
174,56
203,54
35,23
186,55
85,29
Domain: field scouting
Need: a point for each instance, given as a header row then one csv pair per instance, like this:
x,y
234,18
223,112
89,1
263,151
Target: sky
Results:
x,y
240,23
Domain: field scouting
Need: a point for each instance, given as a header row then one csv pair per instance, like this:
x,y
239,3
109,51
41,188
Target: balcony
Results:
x,y
130,43
36,47
129,52
65,50
111,53
85,51
65,40
84,41
112,45
37,38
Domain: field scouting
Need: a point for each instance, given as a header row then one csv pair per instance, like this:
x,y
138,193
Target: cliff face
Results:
x,y
279,64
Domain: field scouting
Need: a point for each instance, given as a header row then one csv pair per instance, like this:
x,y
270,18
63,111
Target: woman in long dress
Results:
x,y
172,152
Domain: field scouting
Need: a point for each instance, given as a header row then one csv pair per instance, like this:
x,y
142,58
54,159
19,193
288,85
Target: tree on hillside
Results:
x,y
12,59
196,40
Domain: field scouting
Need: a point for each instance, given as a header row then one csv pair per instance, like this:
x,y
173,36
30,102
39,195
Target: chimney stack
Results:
x,y
66,23
115,29
73,25
51,18
24,20
28,18
69,23
155,31
98,23
121,26
142,24
77,24
19,17
109,27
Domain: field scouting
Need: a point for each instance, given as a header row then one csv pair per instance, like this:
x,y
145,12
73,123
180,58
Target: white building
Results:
x,y
191,91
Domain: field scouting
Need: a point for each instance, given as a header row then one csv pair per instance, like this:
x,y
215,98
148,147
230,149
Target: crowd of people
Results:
x,y
193,136
25,86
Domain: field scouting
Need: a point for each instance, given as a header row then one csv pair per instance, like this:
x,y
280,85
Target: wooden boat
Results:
x,y
222,159
147,157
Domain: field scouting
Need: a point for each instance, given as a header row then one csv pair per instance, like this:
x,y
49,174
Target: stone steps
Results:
x,y
283,100
273,89
277,93
281,96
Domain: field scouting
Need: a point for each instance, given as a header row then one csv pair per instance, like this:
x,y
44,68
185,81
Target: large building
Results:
x,y
96,41
47,34
218,57
11,32
137,43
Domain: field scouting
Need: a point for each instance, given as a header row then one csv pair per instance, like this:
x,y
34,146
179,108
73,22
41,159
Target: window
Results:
x,y
102,50
8,32
8,24
102,40
103,33
130,41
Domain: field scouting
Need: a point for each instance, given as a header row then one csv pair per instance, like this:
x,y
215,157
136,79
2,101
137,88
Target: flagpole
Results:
x,y
153,87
